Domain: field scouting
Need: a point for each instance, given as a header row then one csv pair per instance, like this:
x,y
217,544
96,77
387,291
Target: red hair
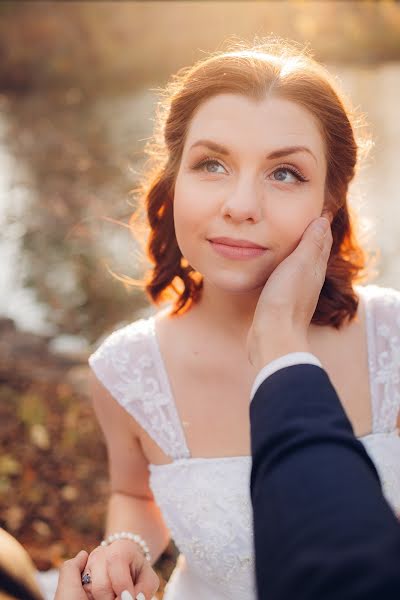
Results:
x,y
253,71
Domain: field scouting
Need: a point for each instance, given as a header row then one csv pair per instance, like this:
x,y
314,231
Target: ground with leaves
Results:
x,y
53,470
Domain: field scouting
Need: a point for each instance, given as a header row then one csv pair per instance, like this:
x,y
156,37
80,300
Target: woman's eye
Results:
x,y
286,175
211,166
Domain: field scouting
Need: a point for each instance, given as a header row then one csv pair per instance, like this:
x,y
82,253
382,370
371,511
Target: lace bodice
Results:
x,y
206,502
130,366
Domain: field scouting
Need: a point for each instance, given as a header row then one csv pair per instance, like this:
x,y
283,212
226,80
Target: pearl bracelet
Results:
x,y
127,535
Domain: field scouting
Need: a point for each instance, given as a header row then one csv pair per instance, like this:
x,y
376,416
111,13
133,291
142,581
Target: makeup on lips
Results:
x,y
236,249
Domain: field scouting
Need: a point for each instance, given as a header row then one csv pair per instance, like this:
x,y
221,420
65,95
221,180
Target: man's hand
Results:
x,y
70,583
289,298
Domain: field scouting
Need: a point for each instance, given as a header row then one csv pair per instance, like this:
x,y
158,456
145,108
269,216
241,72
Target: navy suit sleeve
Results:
x,y
322,527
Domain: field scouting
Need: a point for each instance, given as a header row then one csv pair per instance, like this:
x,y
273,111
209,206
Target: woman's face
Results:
x,y
250,181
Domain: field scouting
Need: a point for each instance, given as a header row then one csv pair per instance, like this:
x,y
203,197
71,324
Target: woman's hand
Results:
x,y
289,298
119,567
70,583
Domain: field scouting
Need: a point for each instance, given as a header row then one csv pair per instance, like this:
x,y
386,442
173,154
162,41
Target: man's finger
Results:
x,y
318,229
315,244
325,243
81,559
311,241
74,565
70,584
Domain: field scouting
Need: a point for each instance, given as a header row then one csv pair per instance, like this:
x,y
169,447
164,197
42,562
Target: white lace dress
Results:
x,y
206,501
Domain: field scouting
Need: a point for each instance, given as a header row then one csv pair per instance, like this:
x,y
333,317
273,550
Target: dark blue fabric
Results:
x,y
322,527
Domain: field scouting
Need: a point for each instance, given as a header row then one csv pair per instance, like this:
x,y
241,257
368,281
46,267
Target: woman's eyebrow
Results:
x,y
290,150
281,152
212,146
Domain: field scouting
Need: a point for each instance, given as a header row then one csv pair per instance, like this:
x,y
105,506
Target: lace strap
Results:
x,y
129,366
383,332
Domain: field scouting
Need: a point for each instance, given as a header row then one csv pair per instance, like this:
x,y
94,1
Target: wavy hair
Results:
x,y
285,71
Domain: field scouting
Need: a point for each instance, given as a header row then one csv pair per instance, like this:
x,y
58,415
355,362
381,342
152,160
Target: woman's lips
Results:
x,y
236,252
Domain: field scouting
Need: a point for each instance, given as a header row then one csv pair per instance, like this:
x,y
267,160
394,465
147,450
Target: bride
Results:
x,y
250,146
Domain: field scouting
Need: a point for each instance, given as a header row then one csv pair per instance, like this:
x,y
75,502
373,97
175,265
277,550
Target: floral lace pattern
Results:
x,y
206,502
129,365
384,449
207,506
383,331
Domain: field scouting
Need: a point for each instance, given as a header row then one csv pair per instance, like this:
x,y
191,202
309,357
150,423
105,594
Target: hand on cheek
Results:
x,y
289,298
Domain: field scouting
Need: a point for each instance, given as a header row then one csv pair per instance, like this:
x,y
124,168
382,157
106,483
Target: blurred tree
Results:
x,y
107,44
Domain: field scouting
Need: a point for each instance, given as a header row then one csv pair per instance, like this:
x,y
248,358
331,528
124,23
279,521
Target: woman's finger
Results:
x,y
100,587
120,575
146,583
86,582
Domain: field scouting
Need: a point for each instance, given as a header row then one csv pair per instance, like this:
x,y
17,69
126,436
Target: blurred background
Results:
x,y
78,87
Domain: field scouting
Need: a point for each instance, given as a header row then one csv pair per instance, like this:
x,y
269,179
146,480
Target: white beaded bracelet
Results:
x,y
127,535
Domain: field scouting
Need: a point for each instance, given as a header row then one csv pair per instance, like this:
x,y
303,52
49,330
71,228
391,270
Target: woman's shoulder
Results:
x,y
125,357
127,332
382,305
378,294
126,340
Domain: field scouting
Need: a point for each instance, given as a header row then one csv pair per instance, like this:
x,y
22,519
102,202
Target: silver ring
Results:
x,y
86,579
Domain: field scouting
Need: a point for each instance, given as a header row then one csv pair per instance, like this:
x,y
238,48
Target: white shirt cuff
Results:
x,y
288,360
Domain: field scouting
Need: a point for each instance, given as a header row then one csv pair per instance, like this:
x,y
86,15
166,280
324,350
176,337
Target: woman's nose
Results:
x,y
243,202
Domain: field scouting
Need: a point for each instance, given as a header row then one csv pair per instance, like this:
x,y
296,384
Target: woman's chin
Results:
x,y
237,286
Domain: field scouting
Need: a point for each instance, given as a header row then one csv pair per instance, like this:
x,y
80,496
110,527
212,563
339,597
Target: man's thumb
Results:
x,y
81,559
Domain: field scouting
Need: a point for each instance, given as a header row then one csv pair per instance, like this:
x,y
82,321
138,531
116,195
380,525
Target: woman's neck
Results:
x,y
226,312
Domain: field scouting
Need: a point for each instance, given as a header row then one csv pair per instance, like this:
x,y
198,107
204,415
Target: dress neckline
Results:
x,y
199,460
246,457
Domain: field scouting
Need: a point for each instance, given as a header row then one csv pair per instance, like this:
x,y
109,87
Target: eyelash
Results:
x,y
290,168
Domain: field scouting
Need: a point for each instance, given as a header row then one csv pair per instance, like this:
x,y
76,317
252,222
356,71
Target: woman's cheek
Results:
x,y
289,227
289,232
293,218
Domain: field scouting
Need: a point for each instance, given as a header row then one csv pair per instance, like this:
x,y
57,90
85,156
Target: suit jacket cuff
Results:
x,y
288,360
